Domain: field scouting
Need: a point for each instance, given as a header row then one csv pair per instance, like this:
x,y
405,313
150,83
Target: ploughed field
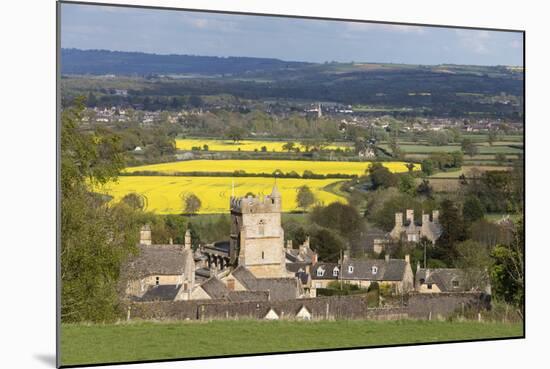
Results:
x,y
164,192
187,144
97,343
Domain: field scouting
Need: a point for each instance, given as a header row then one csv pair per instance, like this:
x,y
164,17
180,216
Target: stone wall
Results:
x,y
333,307
416,306
432,305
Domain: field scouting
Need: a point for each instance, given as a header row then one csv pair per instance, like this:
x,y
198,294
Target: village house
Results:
x,y
411,231
450,280
396,273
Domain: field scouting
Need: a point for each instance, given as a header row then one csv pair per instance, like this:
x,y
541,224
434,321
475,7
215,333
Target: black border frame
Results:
x,y
58,5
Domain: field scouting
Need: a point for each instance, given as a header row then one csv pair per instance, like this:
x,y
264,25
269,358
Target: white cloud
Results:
x,y
473,40
400,28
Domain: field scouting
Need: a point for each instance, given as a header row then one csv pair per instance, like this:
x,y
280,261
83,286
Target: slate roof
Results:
x,y
374,269
156,259
328,270
279,288
296,267
215,288
442,277
165,292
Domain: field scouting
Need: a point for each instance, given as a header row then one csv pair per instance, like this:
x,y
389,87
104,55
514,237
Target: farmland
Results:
x,y
163,194
245,145
100,343
266,166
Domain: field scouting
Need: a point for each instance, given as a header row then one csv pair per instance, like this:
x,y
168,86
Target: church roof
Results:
x,y
156,259
279,288
275,191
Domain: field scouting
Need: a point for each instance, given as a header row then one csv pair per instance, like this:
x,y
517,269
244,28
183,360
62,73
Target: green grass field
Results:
x,y
88,344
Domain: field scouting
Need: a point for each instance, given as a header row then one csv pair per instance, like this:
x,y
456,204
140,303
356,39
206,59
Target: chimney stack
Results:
x,y
435,216
425,218
398,219
145,235
289,244
387,257
408,259
187,245
410,216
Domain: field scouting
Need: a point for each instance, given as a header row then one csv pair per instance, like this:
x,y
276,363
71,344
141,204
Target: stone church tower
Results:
x,y
257,237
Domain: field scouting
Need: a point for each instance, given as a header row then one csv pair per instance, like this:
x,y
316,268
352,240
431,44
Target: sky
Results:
x,y
199,33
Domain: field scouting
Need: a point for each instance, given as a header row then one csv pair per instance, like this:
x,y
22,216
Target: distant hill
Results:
x,y
98,62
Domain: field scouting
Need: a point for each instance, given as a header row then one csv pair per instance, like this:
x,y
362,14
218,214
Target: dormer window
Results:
x,y
455,283
320,272
350,269
335,272
374,269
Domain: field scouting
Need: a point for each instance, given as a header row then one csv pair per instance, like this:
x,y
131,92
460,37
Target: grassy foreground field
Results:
x,y
268,166
88,344
164,194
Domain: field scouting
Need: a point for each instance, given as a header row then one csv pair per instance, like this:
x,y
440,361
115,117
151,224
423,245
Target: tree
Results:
x,y
96,237
289,146
235,133
327,245
407,184
427,167
507,272
473,209
305,197
381,177
468,147
191,204
493,136
134,200
474,260
425,189
453,230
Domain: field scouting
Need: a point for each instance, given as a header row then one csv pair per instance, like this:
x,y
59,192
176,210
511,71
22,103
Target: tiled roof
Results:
x,y
327,271
215,288
161,292
374,269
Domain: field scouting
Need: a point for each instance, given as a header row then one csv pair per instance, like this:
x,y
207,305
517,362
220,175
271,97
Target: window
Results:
x,y
157,281
374,269
261,227
350,269
335,272
422,280
320,272
429,286
455,283
263,256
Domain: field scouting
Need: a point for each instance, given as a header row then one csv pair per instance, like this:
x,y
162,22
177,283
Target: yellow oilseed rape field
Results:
x,y
244,145
163,194
267,166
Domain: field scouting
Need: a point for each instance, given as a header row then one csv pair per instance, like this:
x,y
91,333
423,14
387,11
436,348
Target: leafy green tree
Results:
x,y
304,197
235,133
191,204
473,209
427,167
381,177
327,244
289,146
507,272
134,201
469,147
474,260
407,184
96,237
453,231
425,189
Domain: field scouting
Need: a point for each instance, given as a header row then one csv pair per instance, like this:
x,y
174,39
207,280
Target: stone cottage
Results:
x,y
413,232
